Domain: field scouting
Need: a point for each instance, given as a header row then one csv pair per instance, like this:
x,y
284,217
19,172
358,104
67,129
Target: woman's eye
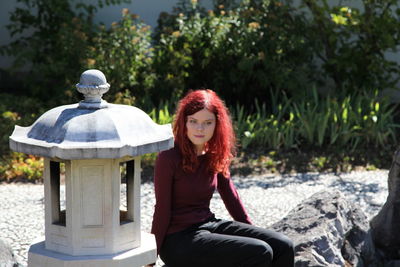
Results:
x,y
209,122
192,121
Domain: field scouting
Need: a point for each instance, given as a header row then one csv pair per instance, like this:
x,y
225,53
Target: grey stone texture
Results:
x,y
327,230
385,226
7,258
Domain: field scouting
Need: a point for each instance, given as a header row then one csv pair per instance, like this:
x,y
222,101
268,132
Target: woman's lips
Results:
x,y
199,136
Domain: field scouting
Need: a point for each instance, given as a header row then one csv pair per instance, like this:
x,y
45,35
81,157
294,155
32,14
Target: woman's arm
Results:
x,y
163,177
231,199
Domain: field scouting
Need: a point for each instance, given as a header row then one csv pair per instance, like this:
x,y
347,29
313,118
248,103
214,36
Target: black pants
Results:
x,y
222,243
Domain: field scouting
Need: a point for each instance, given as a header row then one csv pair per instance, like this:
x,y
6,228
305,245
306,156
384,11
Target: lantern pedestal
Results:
x,y
39,256
93,221
92,230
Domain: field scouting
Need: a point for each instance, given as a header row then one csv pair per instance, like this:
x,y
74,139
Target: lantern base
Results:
x,y
39,256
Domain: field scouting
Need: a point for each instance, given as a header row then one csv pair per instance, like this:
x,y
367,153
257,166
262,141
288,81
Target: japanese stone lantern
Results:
x,y
93,141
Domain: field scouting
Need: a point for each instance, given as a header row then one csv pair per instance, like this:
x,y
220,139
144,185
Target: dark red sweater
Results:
x,y
183,199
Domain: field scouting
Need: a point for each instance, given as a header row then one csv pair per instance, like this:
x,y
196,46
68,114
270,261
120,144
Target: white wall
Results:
x,y
6,6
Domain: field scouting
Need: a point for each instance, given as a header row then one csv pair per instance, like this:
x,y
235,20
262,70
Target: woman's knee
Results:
x,y
288,242
286,245
262,250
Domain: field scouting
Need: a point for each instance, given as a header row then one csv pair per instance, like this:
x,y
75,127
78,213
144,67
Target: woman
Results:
x,y
185,178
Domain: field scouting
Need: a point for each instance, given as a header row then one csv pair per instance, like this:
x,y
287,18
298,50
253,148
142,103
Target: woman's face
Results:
x,y
200,128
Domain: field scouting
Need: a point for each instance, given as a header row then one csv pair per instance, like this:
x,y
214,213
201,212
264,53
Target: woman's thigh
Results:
x,y
205,248
282,247
276,240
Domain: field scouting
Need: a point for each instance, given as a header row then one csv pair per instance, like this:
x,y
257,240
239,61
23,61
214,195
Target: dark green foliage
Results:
x,y
124,53
53,40
351,42
242,53
298,78
343,123
18,110
246,50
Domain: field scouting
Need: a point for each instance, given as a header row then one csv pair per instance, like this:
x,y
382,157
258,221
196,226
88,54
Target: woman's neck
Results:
x,y
200,151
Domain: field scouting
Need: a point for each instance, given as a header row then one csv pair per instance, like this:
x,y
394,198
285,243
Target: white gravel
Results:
x,y
267,198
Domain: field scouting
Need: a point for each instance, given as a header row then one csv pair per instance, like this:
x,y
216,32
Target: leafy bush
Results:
x,y
124,53
16,110
343,124
21,166
242,53
23,111
262,56
53,43
250,48
351,42
242,49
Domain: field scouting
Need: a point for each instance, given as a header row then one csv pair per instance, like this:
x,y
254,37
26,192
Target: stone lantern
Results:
x,y
92,140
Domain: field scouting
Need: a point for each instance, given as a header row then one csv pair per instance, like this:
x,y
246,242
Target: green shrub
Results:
x,y
124,53
22,111
21,166
16,110
53,43
262,56
344,124
245,50
351,43
242,53
347,123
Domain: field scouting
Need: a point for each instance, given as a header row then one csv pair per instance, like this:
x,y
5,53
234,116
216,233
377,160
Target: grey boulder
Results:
x,y
327,230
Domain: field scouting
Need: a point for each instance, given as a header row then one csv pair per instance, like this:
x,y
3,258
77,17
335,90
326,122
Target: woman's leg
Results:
x,y
206,249
225,243
282,246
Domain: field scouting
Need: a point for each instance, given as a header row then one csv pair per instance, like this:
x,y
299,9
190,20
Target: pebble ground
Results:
x,y
268,198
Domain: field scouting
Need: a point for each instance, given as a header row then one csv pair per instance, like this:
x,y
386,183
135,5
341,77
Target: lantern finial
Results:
x,y
93,85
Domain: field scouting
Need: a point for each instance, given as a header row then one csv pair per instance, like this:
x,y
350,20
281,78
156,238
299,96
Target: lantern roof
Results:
x,y
92,128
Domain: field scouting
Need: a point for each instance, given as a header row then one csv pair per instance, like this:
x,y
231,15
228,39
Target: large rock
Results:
x,y
327,230
385,226
7,258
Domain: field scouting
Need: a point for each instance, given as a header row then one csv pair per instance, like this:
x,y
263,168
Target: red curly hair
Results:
x,y
221,147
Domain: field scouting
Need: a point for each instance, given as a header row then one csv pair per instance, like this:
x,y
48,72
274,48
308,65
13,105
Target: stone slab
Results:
x,y
39,256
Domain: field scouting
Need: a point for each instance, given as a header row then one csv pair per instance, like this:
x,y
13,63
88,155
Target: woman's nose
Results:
x,y
200,126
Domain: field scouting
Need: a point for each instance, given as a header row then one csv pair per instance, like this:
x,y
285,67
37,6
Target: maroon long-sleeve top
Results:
x,y
183,199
